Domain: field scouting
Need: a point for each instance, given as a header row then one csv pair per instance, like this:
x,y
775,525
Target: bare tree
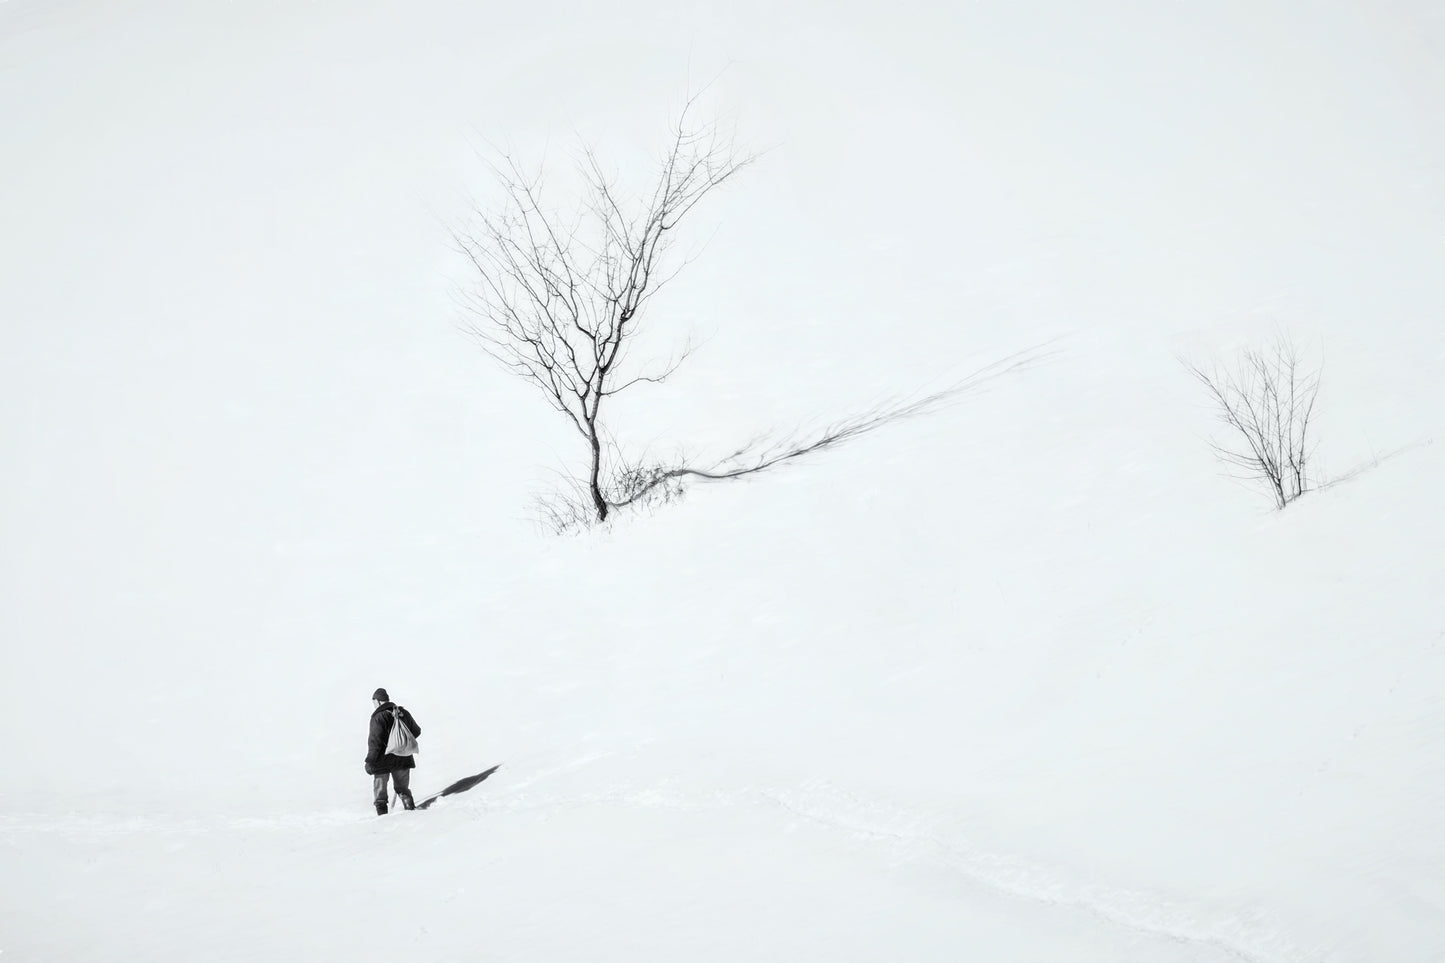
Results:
x,y
559,300
1268,401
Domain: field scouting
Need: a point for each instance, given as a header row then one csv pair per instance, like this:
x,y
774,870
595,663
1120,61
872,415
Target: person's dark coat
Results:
x,y
378,760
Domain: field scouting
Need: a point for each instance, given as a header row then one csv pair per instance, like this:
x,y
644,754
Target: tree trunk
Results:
x,y
598,502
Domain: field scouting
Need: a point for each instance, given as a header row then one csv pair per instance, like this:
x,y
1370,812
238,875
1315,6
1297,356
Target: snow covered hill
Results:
x,y
1024,680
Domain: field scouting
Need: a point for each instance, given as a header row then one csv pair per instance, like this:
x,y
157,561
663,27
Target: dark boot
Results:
x,y
407,802
381,808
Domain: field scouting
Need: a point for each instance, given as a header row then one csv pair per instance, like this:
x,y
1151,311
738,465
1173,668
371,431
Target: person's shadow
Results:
x,y
461,785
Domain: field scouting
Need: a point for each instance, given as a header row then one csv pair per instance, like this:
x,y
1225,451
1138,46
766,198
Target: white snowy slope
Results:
x,y
1024,680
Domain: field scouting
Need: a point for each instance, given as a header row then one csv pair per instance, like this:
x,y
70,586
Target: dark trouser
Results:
x,y
402,779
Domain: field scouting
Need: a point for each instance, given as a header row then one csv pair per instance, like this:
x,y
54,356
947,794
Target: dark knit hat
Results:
x,y
380,696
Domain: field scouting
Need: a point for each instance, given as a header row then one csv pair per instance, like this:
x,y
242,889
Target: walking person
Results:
x,y
381,764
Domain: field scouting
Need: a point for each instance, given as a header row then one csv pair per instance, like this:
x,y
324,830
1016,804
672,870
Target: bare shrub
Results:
x,y
1267,398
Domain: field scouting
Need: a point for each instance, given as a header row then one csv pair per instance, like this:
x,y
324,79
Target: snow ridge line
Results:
x,y
1247,941
96,825
1151,914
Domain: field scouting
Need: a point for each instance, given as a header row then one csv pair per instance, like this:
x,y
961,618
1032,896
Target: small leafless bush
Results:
x,y
1267,399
